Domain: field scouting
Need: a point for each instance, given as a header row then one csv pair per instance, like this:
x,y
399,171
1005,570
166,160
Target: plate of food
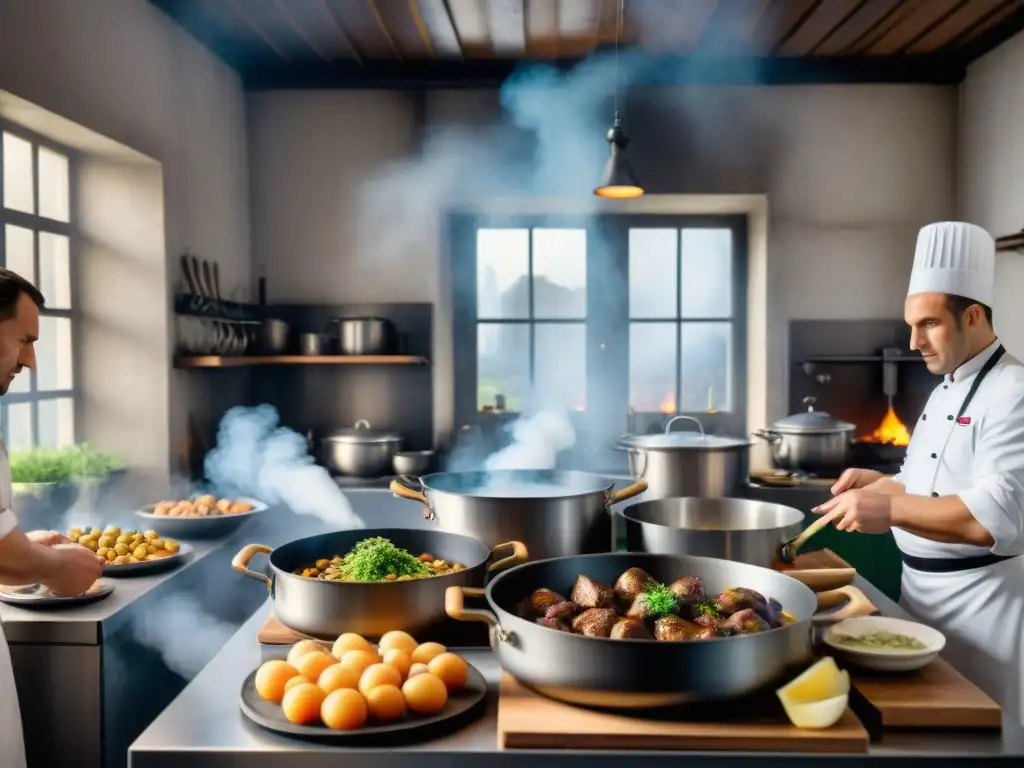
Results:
x,y
356,692
201,517
128,551
885,644
40,596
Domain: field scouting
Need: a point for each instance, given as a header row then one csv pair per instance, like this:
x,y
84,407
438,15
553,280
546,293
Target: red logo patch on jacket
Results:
x,y
964,421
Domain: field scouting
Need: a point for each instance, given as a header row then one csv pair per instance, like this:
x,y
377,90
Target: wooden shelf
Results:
x,y
215,361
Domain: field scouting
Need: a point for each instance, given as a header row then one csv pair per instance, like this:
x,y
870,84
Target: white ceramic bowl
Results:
x,y
886,659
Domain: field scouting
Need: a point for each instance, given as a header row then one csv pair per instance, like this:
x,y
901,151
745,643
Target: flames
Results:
x,y
891,431
668,405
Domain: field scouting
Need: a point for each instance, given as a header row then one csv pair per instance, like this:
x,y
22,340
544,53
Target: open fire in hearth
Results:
x,y
891,431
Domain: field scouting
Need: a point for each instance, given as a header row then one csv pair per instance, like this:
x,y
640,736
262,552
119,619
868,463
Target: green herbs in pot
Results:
x,y
62,465
377,559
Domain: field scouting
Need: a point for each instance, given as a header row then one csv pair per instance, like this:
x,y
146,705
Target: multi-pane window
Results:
x,y
598,315
36,222
680,319
531,316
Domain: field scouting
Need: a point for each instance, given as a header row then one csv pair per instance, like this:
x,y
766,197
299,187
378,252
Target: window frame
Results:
x,y
39,224
608,321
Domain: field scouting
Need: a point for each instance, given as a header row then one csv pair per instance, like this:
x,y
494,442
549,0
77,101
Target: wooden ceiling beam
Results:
x,y
421,28
930,26
506,27
842,22
282,8
660,71
965,20
239,9
801,20
339,27
378,19
864,22
997,31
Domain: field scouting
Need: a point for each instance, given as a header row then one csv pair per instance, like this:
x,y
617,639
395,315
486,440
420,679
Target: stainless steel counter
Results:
x,y
204,727
87,624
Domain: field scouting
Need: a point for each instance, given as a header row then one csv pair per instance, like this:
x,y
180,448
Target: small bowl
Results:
x,y
412,462
886,659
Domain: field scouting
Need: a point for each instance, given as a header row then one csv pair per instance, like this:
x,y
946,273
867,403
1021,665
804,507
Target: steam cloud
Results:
x,y
258,457
161,630
536,442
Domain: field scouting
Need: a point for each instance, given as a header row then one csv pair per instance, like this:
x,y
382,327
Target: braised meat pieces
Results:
x,y
639,607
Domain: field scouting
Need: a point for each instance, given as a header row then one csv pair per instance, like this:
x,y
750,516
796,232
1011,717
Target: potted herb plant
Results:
x,y
49,480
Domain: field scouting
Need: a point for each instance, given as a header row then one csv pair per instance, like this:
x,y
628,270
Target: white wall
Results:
x,y
851,173
124,70
990,190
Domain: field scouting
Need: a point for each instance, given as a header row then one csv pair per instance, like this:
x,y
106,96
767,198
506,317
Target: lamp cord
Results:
x,y
618,38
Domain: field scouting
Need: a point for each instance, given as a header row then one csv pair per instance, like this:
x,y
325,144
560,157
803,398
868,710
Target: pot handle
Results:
x,y
454,606
614,497
404,492
768,436
240,563
519,555
857,604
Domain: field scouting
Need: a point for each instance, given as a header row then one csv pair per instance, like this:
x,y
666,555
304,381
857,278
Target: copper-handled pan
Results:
x,y
640,674
553,512
325,609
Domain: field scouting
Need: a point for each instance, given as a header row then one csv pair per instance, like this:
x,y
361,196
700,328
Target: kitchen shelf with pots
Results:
x,y
220,361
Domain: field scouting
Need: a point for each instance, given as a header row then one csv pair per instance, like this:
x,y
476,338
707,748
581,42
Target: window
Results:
x,y
596,315
36,242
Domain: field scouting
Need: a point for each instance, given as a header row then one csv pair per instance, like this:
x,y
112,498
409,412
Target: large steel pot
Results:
x,y
641,674
361,451
732,529
812,441
553,512
325,609
678,464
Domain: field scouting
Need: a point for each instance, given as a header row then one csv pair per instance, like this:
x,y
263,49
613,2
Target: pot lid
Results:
x,y
812,421
692,441
362,432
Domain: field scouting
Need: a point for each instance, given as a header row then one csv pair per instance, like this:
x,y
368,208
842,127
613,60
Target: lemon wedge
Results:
x,y
817,698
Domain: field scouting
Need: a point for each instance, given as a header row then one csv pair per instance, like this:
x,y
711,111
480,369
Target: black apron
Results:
x,y
954,565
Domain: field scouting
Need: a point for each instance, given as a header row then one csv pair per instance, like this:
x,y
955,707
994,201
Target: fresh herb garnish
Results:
x,y
708,608
659,599
377,558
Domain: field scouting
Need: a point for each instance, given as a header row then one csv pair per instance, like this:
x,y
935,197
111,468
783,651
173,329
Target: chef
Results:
x,y
956,508
42,557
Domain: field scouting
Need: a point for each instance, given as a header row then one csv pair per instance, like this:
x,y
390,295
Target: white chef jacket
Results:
x,y
12,738
980,458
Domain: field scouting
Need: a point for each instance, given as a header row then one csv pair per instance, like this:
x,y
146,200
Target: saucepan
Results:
x,y
603,672
553,512
325,609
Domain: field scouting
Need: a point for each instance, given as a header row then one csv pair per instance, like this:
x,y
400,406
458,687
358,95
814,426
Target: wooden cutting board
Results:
x,y
821,570
527,720
936,697
273,632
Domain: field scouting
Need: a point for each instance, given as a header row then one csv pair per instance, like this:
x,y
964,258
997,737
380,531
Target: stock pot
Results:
x,y
812,441
553,512
677,464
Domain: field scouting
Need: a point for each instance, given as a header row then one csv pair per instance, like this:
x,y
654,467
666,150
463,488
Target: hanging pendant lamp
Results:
x,y
618,180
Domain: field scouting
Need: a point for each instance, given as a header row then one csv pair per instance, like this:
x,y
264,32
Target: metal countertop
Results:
x,y
88,624
205,727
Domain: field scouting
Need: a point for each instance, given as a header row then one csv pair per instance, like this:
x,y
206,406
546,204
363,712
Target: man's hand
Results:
x,y
73,570
858,510
47,538
852,479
